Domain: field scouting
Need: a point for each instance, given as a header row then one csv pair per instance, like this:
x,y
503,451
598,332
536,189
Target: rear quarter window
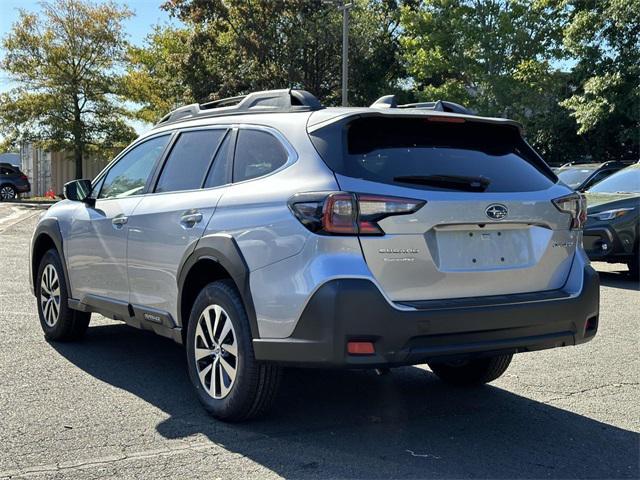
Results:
x,y
258,153
383,149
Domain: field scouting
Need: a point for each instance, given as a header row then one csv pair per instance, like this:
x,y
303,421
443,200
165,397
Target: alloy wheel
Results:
x,y
50,295
7,193
216,351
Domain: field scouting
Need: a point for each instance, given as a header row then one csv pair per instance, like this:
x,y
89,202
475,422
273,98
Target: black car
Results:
x,y
581,177
12,182
612,230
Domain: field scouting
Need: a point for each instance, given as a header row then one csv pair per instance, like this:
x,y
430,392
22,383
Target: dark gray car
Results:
x,y
12,182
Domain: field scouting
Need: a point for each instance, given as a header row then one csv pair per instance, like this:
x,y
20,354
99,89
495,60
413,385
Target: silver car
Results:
x,y
267,230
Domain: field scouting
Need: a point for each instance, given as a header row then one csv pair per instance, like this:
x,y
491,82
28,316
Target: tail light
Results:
x,y
24,177
574,204
342,213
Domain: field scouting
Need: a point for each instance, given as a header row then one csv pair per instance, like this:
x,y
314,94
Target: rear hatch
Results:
x,y
488,225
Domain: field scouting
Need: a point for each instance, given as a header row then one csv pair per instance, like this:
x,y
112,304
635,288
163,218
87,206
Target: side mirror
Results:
x,y
78,191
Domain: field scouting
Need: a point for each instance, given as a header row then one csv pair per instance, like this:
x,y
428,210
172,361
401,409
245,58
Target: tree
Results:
x,y
604,37
65,63
494,56
238,46
156,78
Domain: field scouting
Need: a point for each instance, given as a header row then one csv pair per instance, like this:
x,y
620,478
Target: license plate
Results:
x,y
480,249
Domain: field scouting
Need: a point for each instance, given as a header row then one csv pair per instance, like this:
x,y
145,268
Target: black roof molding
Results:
x,y
389,101
268,101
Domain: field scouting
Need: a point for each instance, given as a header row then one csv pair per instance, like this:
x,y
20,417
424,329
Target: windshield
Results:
x,y
574,176
624,181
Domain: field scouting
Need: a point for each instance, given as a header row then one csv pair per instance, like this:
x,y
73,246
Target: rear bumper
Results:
x,y
23,187
354,310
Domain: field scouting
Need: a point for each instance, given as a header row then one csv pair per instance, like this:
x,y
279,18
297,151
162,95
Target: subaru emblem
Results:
x,y
496,211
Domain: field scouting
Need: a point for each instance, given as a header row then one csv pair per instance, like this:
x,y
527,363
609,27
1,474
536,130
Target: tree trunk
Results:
x,y
78,144
77,153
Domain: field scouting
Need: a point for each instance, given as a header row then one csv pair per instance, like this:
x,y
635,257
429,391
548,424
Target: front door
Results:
x,y
96,246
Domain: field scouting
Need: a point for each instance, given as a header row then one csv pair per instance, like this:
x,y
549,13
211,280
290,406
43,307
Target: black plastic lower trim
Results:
x,y
144,318
354,309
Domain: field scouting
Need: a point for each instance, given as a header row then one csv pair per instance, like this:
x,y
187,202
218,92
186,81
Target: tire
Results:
x,y
254,385
58,321
472,372
7,192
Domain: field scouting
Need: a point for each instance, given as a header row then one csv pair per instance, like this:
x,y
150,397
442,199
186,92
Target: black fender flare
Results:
x,y
222,249
47,227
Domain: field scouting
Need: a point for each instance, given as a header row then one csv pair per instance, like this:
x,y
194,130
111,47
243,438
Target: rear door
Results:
x,y
488,227
166,225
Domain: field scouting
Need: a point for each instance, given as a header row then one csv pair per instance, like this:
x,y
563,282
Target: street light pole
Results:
x,y
345,7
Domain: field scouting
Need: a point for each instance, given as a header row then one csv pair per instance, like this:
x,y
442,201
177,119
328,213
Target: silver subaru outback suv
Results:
x,y
266,230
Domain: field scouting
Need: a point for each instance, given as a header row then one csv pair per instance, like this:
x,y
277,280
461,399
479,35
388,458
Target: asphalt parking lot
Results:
x,y
119,405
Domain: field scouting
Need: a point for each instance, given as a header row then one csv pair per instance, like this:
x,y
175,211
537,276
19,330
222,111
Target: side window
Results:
x,y
220,172
189,160
130,174
257,153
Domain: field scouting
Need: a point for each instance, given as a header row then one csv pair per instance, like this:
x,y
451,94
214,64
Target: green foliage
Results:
x,y
493,56
604,37
237,46
156,74
64,63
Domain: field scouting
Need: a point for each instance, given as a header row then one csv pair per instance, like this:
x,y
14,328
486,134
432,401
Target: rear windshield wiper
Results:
x,y
451,182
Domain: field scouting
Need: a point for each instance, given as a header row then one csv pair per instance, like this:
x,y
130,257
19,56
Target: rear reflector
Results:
x,y
360,348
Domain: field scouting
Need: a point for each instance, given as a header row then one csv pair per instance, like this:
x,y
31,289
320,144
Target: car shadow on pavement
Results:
x,y
620,279
356,424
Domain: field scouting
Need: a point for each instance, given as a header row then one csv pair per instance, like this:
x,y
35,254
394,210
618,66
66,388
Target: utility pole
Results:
x,y
345,7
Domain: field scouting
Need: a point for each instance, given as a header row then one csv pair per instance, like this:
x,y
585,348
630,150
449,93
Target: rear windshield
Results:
x,y
411,151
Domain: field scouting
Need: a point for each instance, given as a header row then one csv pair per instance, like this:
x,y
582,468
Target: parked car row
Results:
x,y
581,177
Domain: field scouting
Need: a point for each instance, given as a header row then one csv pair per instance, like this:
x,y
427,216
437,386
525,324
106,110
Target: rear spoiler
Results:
x,y
323,118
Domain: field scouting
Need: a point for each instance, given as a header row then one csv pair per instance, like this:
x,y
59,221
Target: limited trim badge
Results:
x,y
496,211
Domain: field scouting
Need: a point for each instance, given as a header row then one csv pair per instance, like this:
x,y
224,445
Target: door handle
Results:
x,y
119,221
189,219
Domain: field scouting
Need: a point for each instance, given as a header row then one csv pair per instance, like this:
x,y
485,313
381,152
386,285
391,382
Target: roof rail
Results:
x,y
389,101
268,101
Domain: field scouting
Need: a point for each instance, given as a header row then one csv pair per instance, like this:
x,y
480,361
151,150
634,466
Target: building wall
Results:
x,y
64,168
36,164
50,170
